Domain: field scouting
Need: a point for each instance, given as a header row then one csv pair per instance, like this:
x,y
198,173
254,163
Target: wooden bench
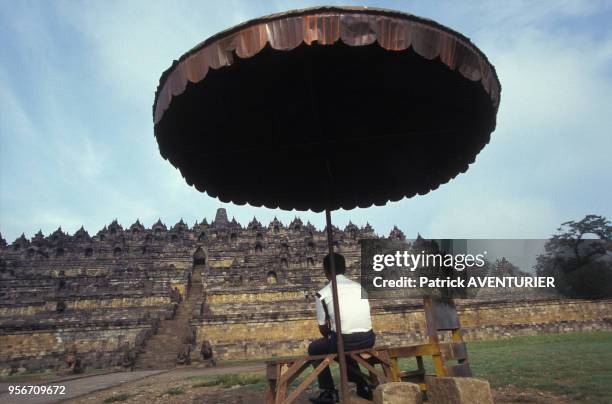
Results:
x,y
281,373
441,316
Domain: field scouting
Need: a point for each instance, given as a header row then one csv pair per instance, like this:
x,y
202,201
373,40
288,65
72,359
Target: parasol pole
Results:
x,y
332,268
330,245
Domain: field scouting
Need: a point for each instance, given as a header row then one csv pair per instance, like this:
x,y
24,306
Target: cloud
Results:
x,y
494,217
77,143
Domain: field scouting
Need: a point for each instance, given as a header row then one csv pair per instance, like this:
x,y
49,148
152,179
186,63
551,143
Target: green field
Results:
x,y
578,365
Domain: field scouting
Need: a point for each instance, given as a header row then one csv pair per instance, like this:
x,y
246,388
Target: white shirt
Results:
x,y
354,310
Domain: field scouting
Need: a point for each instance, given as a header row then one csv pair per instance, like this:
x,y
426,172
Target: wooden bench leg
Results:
x,y
270,391
272,376
281,383
309,379
395,370
439,365
369,366
385,363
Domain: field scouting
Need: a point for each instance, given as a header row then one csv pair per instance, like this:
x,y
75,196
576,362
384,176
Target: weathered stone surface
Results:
x,y
458,390
398,393
247,290
353,399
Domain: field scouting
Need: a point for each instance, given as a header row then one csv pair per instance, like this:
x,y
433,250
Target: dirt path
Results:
x,y
74,387
80,386
185,385
180,386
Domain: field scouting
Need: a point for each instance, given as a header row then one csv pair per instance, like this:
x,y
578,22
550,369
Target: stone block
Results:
x,y
398,393
458,390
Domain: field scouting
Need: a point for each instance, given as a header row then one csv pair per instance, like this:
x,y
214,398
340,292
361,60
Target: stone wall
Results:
x,y
98,344
269,334
102,295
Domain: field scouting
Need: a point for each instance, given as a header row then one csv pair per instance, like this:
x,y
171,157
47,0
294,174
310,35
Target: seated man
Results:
x,y
356,329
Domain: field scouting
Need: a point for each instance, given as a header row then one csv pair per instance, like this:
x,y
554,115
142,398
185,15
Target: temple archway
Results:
x,y
271,278
199,266
199,258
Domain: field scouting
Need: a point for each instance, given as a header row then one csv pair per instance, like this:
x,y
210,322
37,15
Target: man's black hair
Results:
x,y
338,260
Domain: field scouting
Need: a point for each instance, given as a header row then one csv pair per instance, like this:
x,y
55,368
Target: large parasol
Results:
x,y
326,108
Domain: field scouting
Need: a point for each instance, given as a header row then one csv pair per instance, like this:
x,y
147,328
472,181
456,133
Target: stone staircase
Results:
x,y
161,349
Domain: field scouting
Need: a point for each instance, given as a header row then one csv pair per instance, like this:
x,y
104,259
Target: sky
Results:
x,y
77,81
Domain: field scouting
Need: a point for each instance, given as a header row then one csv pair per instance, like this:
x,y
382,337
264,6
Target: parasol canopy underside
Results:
x,y
336,108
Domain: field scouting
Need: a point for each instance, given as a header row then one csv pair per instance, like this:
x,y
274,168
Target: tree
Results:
x,y
579,257
503,267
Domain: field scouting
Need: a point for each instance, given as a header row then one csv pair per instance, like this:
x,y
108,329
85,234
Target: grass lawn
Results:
x,y
578,365
252,380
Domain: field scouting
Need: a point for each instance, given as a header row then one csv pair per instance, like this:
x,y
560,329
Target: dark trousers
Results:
x,y
352,342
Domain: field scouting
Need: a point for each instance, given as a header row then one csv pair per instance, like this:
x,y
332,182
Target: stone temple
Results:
x,y
152,298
